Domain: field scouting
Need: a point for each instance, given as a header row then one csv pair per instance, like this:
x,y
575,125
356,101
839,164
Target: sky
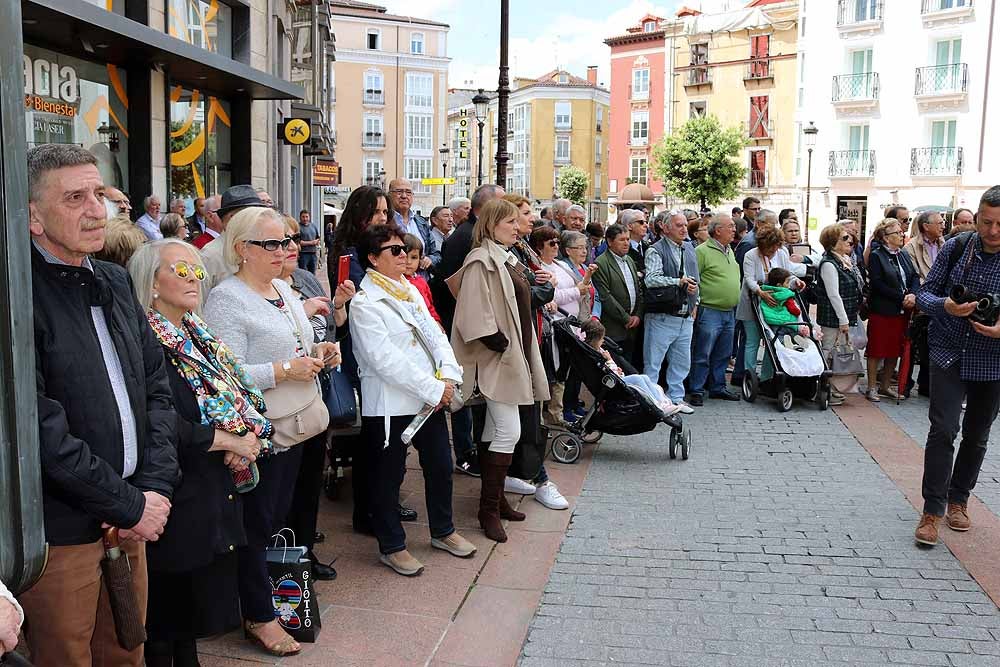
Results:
x,y
544,34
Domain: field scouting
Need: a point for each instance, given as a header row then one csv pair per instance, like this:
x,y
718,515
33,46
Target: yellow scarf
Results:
x,y
393,288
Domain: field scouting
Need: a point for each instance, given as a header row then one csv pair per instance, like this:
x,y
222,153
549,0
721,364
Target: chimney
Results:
x,y
592,74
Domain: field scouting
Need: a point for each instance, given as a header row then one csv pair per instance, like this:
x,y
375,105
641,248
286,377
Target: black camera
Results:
x,y
987,305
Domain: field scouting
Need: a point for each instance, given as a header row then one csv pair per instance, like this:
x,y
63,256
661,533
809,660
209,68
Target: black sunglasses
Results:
x,y
552,243
296,238
396,250
847,237
270,245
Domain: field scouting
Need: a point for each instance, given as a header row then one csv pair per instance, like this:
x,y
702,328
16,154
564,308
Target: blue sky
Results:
x,y
543,34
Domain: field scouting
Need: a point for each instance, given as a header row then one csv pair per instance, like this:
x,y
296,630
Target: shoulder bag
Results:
x,y
668,299
844,357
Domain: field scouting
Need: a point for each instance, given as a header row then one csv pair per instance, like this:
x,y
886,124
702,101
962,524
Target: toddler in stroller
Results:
x,y
785,314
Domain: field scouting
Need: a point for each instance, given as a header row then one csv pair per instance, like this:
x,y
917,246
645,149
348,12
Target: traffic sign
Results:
x,y
437,181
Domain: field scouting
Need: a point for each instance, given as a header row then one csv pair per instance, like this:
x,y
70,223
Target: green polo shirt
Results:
x,y
720,276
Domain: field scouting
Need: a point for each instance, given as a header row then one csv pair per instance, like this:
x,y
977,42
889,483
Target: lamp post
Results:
x,y
503,92
810,131
482,104
444,172
381,179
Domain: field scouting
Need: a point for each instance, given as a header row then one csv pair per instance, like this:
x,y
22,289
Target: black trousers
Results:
x,y
388,467
264,512
304,510
944,482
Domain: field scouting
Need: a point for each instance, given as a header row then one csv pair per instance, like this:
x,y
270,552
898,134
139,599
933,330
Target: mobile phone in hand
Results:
x,y
343,269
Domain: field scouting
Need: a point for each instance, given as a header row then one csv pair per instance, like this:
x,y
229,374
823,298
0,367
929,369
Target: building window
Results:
x,y
207,25
417,43
597,150
563,115
637,173
562,149
758,169
418,168
640,84
597,185
699,53
373,168
640,128
600,118
760,52
698,109
374,135
649,26
759,120
200,144
419,132
374,91
563,78
374,39
419,90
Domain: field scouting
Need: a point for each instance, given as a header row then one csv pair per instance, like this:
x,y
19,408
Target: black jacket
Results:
x,y
887,287
80,434
453,253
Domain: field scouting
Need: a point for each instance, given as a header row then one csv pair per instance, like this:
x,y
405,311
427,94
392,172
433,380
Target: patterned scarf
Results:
x,y
227,397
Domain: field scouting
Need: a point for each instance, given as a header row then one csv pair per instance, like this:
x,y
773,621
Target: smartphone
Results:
x,y
343,269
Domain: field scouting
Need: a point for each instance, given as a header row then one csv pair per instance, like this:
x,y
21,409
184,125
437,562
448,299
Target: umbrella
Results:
x,y
903,376
118,578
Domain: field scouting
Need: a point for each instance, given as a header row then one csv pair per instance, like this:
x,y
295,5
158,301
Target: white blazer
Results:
x,y
397,376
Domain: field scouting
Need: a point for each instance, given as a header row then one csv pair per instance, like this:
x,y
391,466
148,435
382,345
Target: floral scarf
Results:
x,y
227,397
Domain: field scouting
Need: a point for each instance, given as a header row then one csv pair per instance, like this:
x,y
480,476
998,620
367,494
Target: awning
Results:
x,y
84,30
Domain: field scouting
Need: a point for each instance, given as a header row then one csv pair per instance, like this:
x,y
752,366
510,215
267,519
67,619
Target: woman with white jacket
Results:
x,y
406,364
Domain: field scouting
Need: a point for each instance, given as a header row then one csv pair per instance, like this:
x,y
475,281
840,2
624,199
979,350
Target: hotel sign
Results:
x,y
463,135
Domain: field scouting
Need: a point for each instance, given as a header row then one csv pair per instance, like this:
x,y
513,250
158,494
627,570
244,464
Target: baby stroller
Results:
x,y
618,408
799,369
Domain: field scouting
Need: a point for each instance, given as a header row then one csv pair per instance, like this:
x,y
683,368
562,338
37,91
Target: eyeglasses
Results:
x,y
552,243
576,247
408,193
296,238
892,233
904,220
184,269
270,245
396,249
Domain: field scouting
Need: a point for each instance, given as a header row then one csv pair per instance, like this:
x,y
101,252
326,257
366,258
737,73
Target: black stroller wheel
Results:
x,y
685,444
751,385
566,448
823,395
672,445
785,400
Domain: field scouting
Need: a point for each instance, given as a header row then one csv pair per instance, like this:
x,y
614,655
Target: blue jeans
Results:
x,y
668,336
750,355
712,348
307,261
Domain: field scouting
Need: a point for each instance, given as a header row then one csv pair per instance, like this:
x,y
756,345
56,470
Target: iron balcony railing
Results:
x,y
852,163
757,179
932,6
374,96
758,68
942,79
862,86
936,161
373,140
850,12
698,76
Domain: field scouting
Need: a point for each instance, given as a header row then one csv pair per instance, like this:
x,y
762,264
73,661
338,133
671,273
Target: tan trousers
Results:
x,y
68,620
554,407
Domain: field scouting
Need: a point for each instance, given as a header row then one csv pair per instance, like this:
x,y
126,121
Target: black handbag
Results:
x,y
338,394
529,453
668,299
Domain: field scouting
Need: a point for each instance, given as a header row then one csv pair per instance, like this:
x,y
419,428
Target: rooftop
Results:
x,y
376,13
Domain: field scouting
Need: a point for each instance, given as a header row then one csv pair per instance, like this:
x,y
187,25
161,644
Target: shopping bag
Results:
x,y
338,394
845,358
296,603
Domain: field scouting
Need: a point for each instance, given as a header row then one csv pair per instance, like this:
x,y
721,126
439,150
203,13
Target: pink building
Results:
x,y
638,82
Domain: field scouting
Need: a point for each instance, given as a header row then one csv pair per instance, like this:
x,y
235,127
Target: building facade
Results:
x,y
898,91
553,121
391,98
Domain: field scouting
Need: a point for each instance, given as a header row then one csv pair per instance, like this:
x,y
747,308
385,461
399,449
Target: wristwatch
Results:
x,y
287,367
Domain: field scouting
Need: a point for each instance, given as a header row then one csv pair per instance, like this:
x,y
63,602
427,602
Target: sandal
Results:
x,y
872,396
285,646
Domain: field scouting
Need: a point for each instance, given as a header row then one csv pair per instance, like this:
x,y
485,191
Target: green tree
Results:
x,y
700,161
572,184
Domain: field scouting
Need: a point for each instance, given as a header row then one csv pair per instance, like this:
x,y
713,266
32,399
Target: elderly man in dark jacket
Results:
x,y
105,418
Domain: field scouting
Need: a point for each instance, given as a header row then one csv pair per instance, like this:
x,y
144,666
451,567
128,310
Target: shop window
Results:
x,y
205,23
200,144
73,101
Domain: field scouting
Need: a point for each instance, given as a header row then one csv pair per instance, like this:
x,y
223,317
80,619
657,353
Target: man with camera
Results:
x,y
962,297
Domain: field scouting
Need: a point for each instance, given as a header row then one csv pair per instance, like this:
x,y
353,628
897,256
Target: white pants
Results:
x,y
503,427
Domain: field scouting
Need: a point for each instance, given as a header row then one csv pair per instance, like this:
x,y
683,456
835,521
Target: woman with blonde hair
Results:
x,y
494,339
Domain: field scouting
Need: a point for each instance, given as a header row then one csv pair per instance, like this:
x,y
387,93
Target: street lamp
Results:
x,y
381,179
810,131
482,104
444,172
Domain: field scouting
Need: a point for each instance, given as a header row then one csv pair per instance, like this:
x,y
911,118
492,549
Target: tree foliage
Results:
x,y
700,161
572,184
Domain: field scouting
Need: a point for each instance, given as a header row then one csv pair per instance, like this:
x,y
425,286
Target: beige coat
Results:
x,y
485,303
917,249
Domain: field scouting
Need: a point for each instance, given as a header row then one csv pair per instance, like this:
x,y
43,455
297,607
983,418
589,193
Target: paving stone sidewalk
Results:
x,y
780,542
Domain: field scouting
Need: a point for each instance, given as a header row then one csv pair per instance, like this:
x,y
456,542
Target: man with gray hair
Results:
x,y
559,208
149,222
105,416
575,218
178,206
460,209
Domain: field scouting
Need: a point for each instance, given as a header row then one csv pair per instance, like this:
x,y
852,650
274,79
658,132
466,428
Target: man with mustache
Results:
x,y
105,416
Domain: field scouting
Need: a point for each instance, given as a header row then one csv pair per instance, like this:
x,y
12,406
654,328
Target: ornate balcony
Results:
x,y
852,164
373,140
942,86
936,161
855,92
937,13
859,17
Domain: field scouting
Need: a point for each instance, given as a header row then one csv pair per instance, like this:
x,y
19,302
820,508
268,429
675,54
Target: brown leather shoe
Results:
x,y
958,517
927,531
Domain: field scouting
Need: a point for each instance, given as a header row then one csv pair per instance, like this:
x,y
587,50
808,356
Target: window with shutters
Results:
x,y
758,169
419,132
640,128
562,149
640,84
699,56
760,53
760,121
417,42
419,91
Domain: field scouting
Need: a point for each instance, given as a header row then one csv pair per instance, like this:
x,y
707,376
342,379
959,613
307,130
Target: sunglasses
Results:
x,y
184,269
296,238
848,238
270,245
396,249
552,243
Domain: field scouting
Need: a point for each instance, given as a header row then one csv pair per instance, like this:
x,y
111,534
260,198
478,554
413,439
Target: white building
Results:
x,y
898,91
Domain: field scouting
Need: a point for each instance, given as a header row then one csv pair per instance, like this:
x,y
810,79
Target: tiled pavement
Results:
x,y
780,542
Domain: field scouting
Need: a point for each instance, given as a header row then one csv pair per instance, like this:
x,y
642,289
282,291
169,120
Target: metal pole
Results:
x,y
809,173
444,186
503,92
479,162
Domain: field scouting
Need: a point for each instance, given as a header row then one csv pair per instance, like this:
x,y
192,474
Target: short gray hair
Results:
x,y
576,208
767,214
177,201
457,202
561,206
242,227
147,199
991,197
571,238
49,157
717,219
628,216
146,263
483,194
923,218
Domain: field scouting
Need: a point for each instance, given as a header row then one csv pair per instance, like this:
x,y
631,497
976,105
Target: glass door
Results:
x,y
858,155
948,73
861,70
943,153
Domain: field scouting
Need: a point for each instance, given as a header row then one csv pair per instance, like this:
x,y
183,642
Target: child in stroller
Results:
x,y
593,332
785,314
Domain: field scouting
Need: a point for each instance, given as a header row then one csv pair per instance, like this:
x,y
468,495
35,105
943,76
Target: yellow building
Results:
x,y
391,98
741,67
553,121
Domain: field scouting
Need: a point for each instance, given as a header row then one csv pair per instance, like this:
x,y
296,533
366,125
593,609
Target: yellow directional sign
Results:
x,y
437,181
295,131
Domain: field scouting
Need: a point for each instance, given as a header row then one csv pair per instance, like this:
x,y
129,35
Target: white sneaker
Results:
x,y
515,485
548,495
684,408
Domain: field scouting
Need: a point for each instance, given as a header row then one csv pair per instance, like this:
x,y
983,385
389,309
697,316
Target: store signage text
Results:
x,y
50,88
